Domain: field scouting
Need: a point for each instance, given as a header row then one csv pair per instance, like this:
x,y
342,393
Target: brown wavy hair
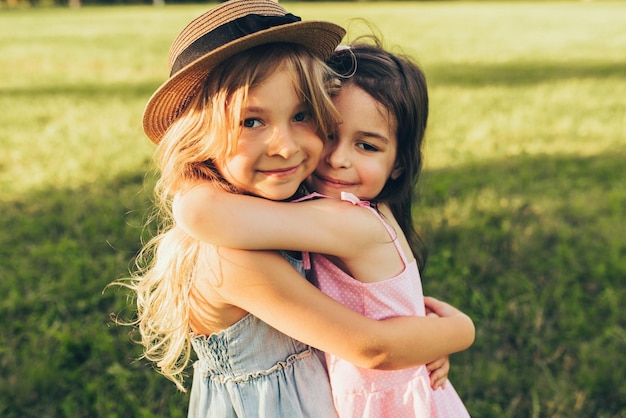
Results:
x,y
397,83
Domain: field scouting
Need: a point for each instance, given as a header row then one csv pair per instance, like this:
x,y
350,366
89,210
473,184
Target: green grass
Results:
x,y
522,201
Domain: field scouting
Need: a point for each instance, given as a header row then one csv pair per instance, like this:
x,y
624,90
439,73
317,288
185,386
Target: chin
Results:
x,y
278,195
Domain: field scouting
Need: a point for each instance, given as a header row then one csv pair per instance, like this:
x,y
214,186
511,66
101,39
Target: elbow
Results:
x,y
180,212
188,218
470,333
465,335
375,357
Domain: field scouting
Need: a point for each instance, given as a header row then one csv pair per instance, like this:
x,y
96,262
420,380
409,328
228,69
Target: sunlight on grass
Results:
x,y
579,117
76,140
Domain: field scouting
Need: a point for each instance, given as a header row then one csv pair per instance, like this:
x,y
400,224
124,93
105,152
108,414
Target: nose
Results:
x,y
336,154
283,143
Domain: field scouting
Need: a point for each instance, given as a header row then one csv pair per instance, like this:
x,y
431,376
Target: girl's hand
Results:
x,y
438,369
438,372
440,308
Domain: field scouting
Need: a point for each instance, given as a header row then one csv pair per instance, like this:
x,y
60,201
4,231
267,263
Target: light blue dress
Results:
x,y
252,370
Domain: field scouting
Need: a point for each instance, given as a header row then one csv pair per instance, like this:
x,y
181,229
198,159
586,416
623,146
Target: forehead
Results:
x,y
277,92
357,106
283,68
284,76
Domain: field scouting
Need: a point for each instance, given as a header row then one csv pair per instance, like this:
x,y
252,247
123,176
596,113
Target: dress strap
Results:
x,y
306,261
310,196
349,197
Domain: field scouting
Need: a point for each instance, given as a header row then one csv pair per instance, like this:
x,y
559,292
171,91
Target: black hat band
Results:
x,y
226,33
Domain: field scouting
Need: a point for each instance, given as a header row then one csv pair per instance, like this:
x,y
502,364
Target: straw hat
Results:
x,y
220,33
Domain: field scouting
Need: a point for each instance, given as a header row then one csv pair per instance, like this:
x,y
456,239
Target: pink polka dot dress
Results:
x,y
359,392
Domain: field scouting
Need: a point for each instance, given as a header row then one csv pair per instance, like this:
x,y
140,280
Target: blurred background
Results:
x,y
521,202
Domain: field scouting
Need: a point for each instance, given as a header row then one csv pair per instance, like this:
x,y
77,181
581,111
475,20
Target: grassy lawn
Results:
x,y
522,201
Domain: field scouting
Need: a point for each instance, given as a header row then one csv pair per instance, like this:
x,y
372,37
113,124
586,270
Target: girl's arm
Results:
x,y
266,285
326,226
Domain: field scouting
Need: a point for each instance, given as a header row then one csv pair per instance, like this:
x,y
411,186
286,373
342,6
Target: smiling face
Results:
x,y
361,155
278,147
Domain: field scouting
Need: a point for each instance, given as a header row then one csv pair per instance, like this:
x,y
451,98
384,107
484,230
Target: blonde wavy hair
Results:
x,y
205,134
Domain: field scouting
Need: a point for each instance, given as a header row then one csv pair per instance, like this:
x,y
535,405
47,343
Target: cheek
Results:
x,y
317,151
313,141
233,169
374,175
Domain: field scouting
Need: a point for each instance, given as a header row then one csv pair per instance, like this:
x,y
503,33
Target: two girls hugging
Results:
x,y
287,259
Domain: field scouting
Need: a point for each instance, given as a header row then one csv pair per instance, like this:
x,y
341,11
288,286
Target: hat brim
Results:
x,y
171,98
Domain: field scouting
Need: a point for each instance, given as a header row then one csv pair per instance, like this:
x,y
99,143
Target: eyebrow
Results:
x,y
260,109
253,109
374,135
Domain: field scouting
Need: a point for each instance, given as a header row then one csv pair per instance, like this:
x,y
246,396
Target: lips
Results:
x,y
331,182
281,172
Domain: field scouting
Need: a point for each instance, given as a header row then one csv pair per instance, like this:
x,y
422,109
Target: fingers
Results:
x,y
438,380
429,304
436,364
438,372
433,304
429,300
442,309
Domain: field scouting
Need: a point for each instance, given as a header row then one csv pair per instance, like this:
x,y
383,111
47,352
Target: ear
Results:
x,y
396,172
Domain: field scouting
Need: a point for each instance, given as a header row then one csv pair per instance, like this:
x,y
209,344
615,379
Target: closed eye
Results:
x,y
367,147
